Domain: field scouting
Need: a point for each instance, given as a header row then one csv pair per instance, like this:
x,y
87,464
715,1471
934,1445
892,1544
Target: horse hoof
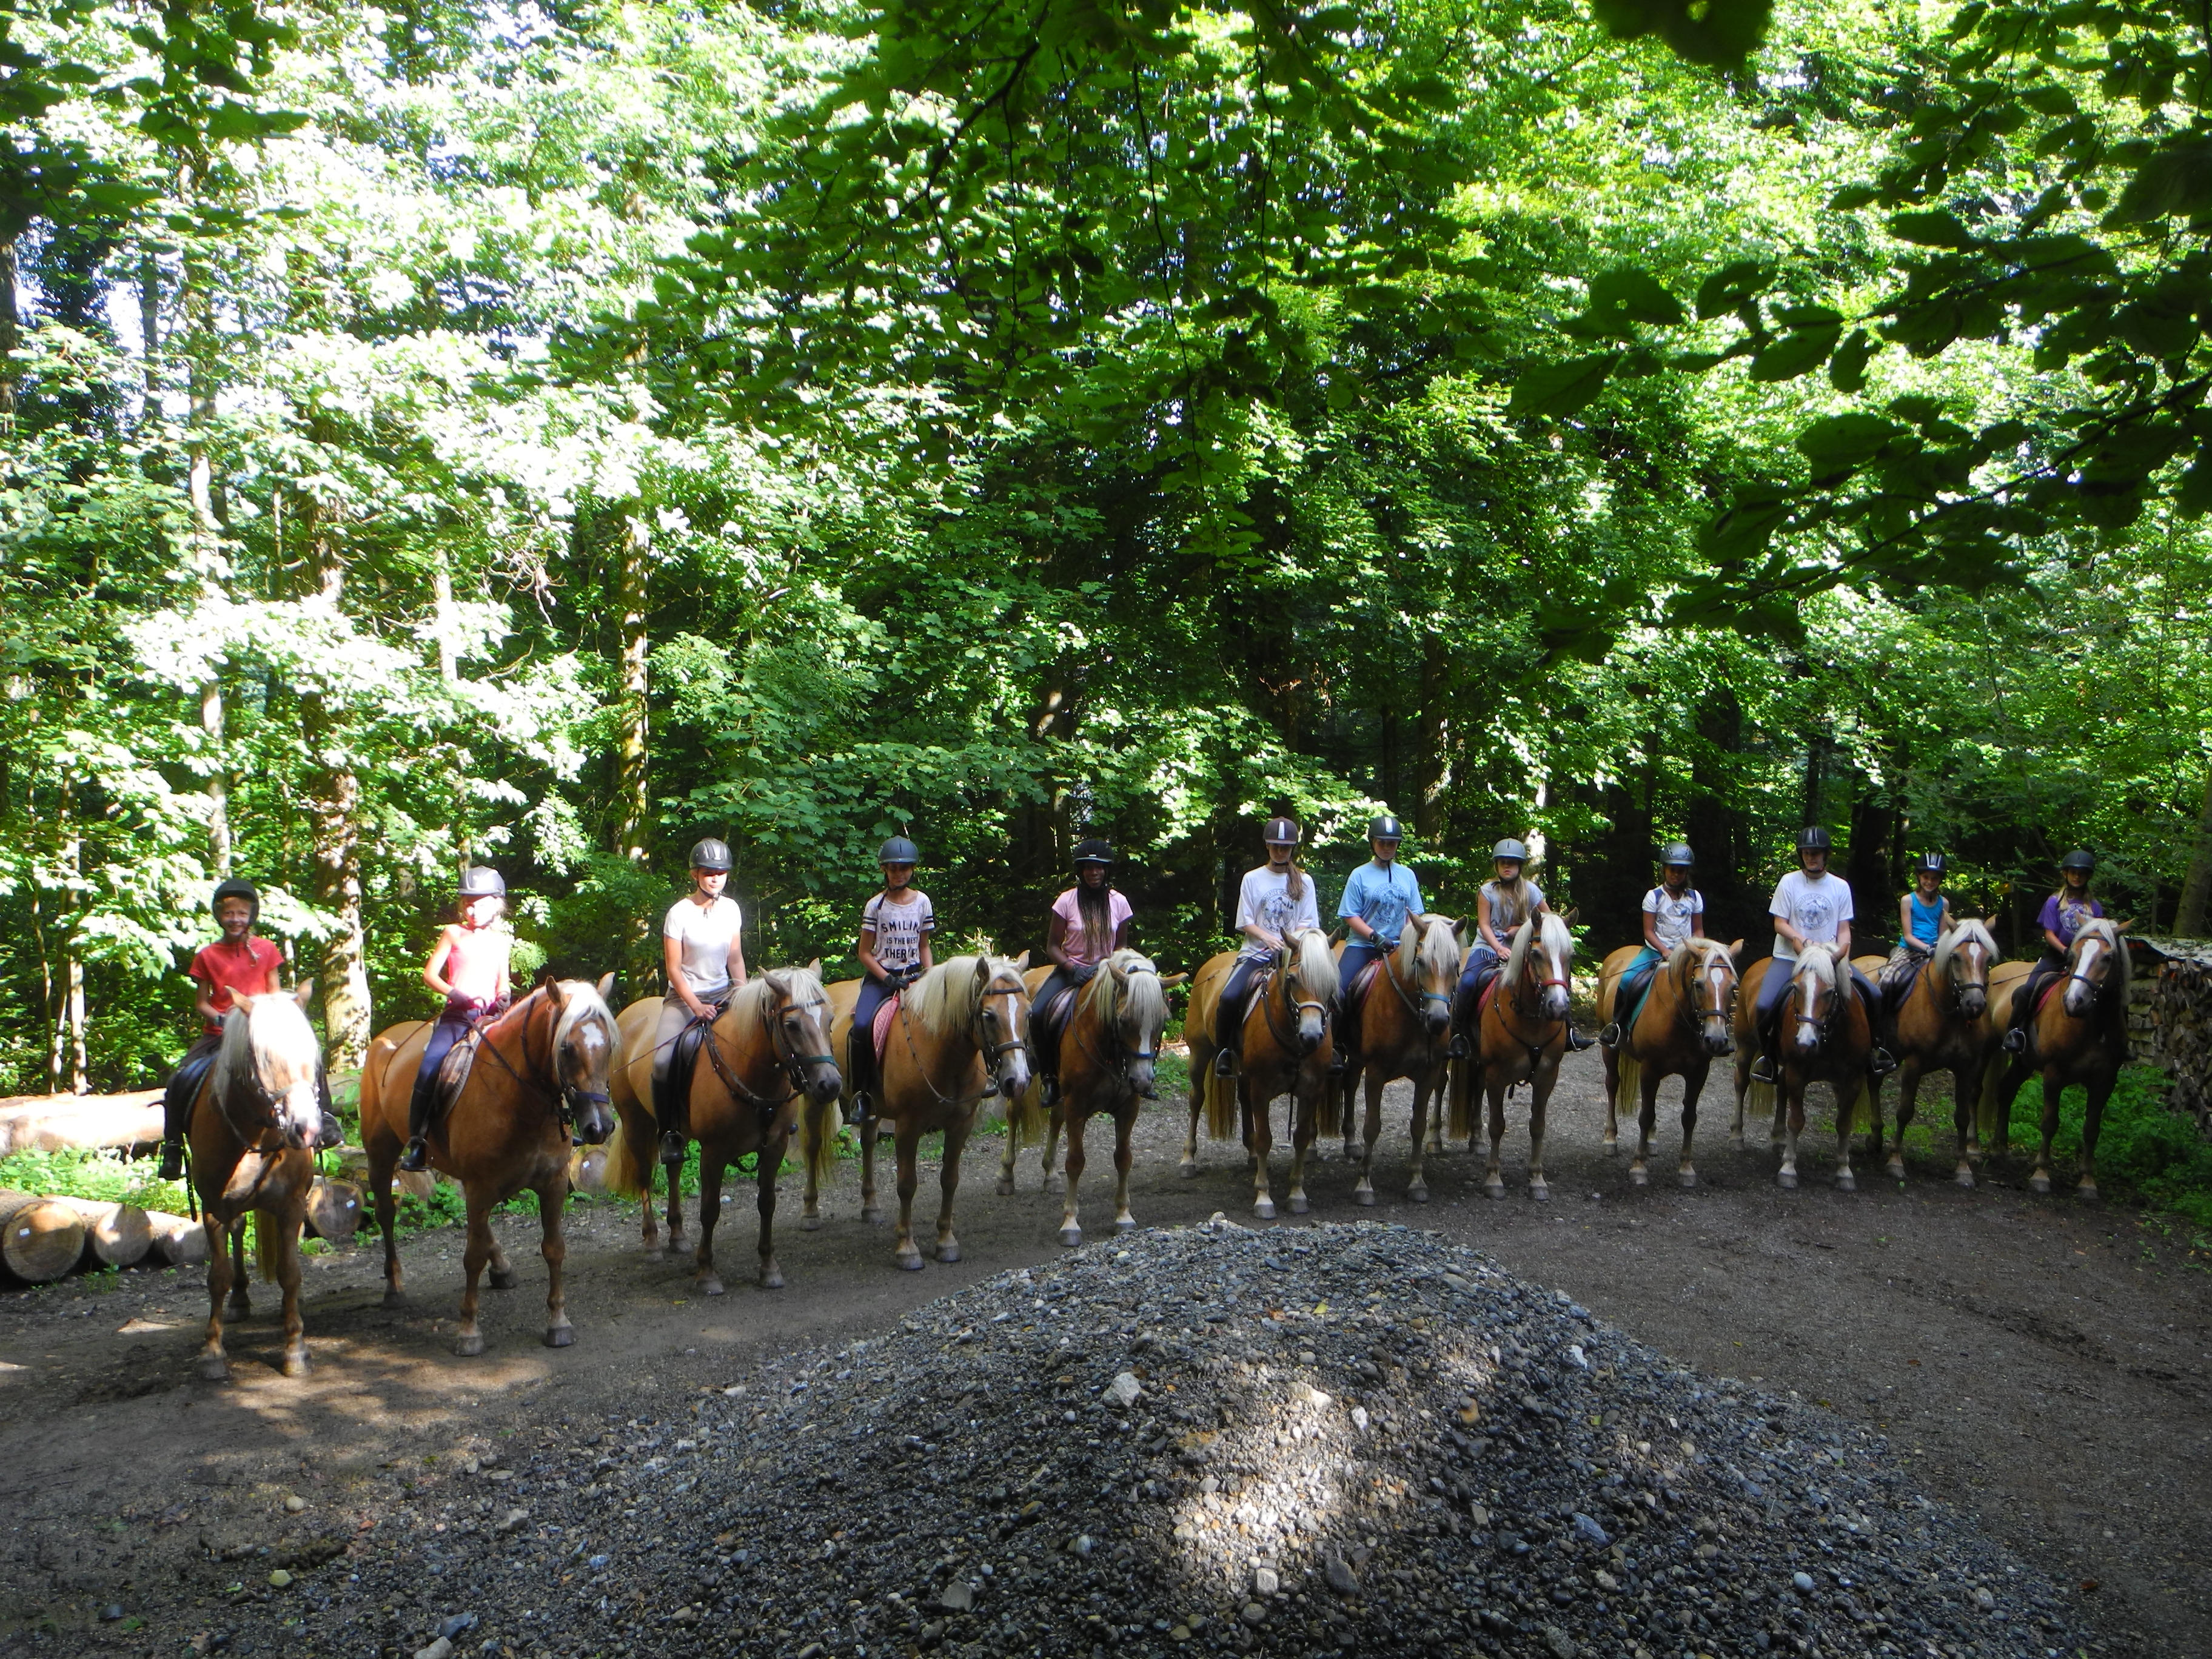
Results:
x,y
1418,1193
1846,1181
1639,1178
1128,1224
1299,1204
1736,1143
214,1368
810,1224
504,1278
1787,1179
392,1298
948,1253
710,1285
1686,1179
2087,1192
910,1261
872,1214
1965,1178
1005,1187
1364,1196
1895,1170
1612,1148
1188,1168
1265,1209
1071,1237
1540,1191
297,1365
240,1308
472,1345
772,1279
2039,1184
559,1336
1054,1184
1494,1189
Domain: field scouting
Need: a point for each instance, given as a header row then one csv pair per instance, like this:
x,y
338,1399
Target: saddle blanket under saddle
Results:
x,y
879,1033
453,1072
1355,994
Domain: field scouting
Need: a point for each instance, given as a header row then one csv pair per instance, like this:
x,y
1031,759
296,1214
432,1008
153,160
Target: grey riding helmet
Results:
x,y
1676,853
898,850
711,855
1510,849
1931,863
1814,838
2080,859
481,881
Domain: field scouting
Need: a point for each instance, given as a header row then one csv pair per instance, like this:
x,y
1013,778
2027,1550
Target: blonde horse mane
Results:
x,y
1314,964
1517,954
272,1047
1962,931
2108,931
948,995
580,1001
1130,974
1427,942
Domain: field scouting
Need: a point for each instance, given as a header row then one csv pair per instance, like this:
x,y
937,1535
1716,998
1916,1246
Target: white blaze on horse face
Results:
x,y
2079,985
1809,982
1014,1069
1555,994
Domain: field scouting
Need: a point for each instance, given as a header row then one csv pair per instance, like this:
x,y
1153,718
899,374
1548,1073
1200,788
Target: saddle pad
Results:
x,y
674,1091
1489,991
454,1074
1362,982
1050,1016
880,1032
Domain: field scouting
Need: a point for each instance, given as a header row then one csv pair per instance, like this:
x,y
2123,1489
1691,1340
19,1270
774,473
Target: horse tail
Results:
x,y
1985,1103
1759,1096
1219,1098
819,1144
1628,1085
629,1167
264,1248
1459,1084
1330,1119
1026,1118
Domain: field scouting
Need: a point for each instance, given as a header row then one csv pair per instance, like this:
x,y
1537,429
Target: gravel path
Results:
x,y
2034,1365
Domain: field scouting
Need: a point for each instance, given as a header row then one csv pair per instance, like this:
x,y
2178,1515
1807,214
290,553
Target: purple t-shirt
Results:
x,y
2065,919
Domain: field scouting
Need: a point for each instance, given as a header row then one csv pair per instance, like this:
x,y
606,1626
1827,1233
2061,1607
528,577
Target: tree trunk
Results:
x,y
149,329
65,1123
1431,741
630,827
41,1238
197,304
336,808
177,1241
442,588
115,1235
10,336
2196,888
1713,826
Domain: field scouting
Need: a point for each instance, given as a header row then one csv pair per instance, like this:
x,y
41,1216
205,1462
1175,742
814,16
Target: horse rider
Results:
x,y
1274,902
468,968
1380,897
1086,924
240,960
894,952
703,956
1501,905
1673,912
1810,906
2061,919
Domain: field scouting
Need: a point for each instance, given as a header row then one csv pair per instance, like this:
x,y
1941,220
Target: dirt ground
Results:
x,y
2045,1365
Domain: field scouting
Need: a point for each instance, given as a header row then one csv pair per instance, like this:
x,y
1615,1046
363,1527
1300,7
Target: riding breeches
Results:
x,y
2047,967
860,1048
451,1026
1481,963
1045,1026
1630,986
1358,953
674,1017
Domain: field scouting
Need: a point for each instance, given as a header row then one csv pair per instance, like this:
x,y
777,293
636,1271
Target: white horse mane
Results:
x,y
1550,928
1963,931
580,1001
273,1047
1823,960
946,996
1428,942
801,985
1694,951
1314,964
1133,977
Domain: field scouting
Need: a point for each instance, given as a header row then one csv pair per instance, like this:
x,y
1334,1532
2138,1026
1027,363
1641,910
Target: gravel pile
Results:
x,y
1336,1439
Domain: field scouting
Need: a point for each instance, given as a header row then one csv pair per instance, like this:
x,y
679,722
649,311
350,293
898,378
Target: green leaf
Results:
x,y
1631,292
1731,285
1798,352
1843,440
2176,180
1934,228
1847,371
1851,197
1559,389
2194,498
1702,31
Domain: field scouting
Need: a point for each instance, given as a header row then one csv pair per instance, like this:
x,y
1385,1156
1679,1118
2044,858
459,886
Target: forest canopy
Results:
x,y
543,435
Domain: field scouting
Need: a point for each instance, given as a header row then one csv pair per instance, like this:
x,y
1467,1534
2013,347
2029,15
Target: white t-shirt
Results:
x,y
1816,906
899,928
1676,919
707,932
1265,900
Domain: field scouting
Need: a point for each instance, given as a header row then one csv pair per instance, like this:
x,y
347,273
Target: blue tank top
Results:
x,y
1927,918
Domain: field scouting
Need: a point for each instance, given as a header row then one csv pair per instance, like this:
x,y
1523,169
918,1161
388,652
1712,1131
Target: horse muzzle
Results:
x,y
1014,1079
824,1084
1719,1043
594,1119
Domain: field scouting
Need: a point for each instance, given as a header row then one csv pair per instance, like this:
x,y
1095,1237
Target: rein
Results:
x,y
1266,998
1418,1010
793,1064
995,1058
562,1097
1693,1013
1127,1055
1541,985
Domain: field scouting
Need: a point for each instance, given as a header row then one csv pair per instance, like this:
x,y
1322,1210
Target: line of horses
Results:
x,y
560,1069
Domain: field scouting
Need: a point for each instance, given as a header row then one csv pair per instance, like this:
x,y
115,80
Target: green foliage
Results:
x,y
107,1176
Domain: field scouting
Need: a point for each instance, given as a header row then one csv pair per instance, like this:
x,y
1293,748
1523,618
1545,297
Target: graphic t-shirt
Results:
x,y
899,928
1674,915
1816,906
707,932
1510,905
223,968
1075,943
2064,916
1264,900
1382,897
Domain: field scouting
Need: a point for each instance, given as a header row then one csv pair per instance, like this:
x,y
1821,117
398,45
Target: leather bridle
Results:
x,y
568,1100
790,1060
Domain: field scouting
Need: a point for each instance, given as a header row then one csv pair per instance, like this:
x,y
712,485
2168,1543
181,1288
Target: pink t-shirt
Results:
x,y
1077,943
474,959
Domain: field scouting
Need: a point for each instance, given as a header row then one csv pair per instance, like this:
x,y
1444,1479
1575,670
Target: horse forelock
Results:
x,y
1822,960
749,1003
1438,950
2105,932
581,1002
946,996
273,1045
1127,984
1517,954
802,987
1969,930
1316,964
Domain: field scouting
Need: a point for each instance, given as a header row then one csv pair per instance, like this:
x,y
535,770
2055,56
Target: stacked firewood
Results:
x,y
2170,1021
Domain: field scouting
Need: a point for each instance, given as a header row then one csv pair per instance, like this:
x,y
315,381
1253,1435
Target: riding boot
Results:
x,y
860,1068
416,1158
1229,1054
172,1160
1464,1004
1610,1036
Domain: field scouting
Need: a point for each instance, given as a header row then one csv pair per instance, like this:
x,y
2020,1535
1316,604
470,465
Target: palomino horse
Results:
x,y
1827,1038
253,1132
959,1036
546,1060
768,1049
1943,1025
2079,1035
1522,1037
1405,1029
1680,1029
1108,1053
1286,1050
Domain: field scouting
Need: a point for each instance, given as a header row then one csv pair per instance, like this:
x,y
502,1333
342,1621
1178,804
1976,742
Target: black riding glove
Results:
x,y
1083,972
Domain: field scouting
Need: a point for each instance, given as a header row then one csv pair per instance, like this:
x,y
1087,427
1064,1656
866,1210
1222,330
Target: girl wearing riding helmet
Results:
x,y
1086,924
1500,906
468,967
237,961
703,954
894,951
2061,918
1379,899
1922,916
1274,902
1673,913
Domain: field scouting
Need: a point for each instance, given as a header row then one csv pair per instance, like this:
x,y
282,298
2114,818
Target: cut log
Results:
x,y
334,1211
179,1240
420,1182
40,1239
115,1235
588,1171
60,1123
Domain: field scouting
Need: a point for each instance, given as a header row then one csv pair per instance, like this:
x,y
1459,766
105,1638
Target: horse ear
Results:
x,y
606,985
1458,925
1735,952
1172,980
1570,917
304,991
1021,961
982,969
815,967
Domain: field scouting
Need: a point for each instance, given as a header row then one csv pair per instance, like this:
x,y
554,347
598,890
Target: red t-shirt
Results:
x,y
248,966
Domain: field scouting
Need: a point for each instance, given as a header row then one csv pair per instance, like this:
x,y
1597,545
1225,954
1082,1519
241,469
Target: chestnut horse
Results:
x,y
1680,1029
1523,1037
1108,1051
2079,1035
1943,1025
1826,1037
1286,1051
1405,1029
960,1036
546,1060
252,1131
768,1049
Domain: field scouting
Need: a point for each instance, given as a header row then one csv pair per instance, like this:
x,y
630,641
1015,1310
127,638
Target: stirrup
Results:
x,y
1048,1089
416,1158
1224,1063
2016,1040
1610,1036
1576,1041
1762,1069
172,1161
1881,1062
1457,1047
672,1147
860,1107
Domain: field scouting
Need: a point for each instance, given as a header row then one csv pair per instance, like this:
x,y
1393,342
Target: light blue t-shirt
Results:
x,y
1382,899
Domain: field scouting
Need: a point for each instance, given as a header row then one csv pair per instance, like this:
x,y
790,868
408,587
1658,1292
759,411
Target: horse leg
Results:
x,y
1647,1122
1053,1181
1363,1190
1611,1118
503,1276
1435,1113
1743,1060
474,1254
387,1215
1493,1178
704,1279
1539,1095
553,1245
1305,1125
948,1185
1259,1137
907,1144
1005,1187
1417,1189
652,1222
1202,1078
213,1365
1693,1084
1125,1124
2052,1088
870,1211
675,1207
768,1161
1908,1099
1071,1231
1789,1108
241,1303
811,1129
288,1281
1847,1100
2093,1123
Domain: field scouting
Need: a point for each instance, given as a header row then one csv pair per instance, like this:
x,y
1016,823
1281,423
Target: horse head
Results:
x,y
2097,961
1434,944
1552,947
800,1026
1138,1014
1709,989
1815,983
586,1048
1002,1023
1309,980
268,1065
1962,960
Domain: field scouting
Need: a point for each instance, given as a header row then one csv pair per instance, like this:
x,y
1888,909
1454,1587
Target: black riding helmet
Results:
x,y
1386,828
898,850
1282,832
1814,838
711,855
481,881
236,888
2080,859
1094,851
1933,863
